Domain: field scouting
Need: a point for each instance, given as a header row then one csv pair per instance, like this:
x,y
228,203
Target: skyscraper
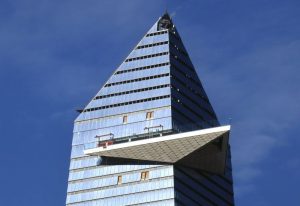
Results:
x,y
150,135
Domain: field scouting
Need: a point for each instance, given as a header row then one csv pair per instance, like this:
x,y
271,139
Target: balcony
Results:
x,y
203,149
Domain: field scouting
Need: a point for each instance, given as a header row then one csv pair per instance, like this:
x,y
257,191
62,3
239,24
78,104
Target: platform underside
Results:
x,y
204,149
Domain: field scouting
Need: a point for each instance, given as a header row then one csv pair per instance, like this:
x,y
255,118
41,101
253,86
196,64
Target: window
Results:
x,y
182,62
180,50
144,175
137,80
126,103
157,33
125,119
119,180
149,115
152,45
147,56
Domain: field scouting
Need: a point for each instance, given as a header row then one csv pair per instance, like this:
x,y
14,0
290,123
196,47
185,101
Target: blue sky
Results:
x,y
55,55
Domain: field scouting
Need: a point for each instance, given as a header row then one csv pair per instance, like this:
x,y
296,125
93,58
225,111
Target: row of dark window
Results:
x,y
157,33
193,111
213,180
132,91
175,36
188,108
204,186
152,45
197,84
185,116
213,198
127,103
196,103
182,62
137,80
183,194
181,198
186,75
179,49
142,68
146,56
190,88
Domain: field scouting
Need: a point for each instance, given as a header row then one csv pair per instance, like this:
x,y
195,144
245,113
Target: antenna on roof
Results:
x,y
166,11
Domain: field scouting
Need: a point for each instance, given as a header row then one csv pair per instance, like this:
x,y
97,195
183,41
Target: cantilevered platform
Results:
x,y
204,149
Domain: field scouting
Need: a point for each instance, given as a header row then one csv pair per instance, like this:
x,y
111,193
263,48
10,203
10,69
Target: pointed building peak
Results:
x,y
165,22
166,15
157,75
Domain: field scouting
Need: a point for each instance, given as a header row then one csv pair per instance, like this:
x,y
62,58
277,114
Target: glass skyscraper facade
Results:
x,y
150,135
